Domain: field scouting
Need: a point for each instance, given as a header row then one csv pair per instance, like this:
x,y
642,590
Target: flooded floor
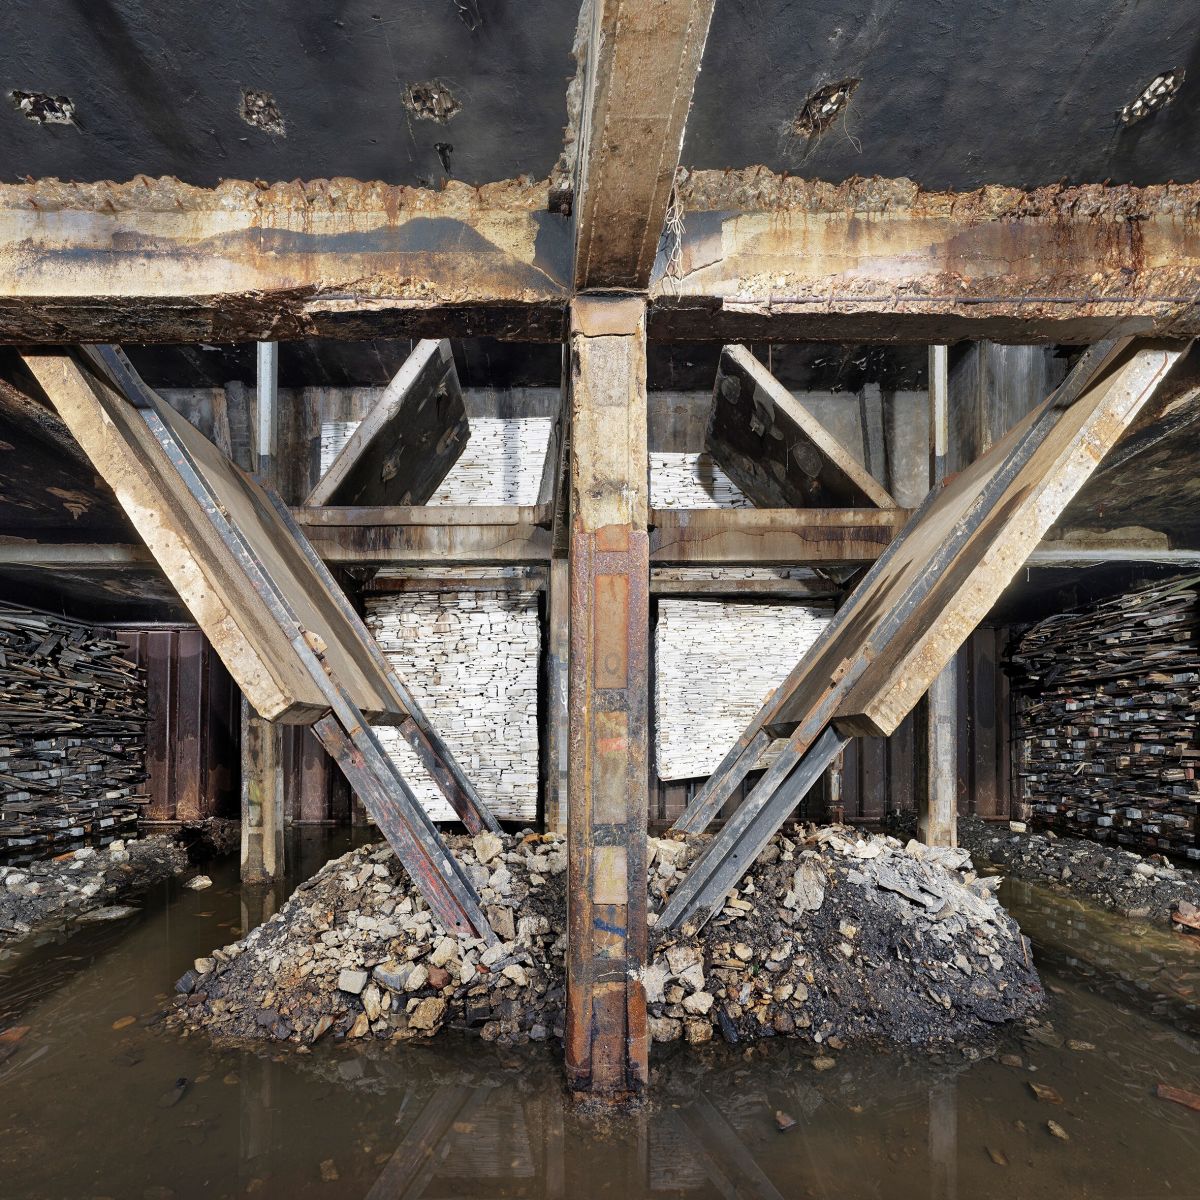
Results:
x,y
97,1101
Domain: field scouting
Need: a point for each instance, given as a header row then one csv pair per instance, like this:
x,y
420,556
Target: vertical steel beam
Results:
x,y
558,600
262,741
937,791
609,562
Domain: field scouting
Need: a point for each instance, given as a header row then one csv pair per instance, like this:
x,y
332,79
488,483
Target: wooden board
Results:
x,y
774,448
222,595
407,443
949,565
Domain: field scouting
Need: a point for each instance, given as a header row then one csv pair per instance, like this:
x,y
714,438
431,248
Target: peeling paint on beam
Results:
x,y
158,260
765,256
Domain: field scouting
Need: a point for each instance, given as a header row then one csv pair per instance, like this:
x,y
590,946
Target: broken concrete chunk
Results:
x,y
487,846
808,887
351,981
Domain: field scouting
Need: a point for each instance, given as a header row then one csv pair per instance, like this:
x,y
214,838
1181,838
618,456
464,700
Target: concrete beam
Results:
x,y
641,68
763,257
156,260
607,1040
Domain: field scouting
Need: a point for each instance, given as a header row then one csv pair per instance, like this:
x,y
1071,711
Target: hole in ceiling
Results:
x,y
824,107
431,101
260,110
44,109
1158,93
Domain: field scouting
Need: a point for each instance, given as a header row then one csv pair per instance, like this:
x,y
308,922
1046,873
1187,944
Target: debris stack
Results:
x,y
1109,697
72,731
832,937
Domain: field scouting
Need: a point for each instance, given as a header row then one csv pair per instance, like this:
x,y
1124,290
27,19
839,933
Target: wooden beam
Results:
x,y
778,536
772,258
450,545
406,445
158,260
642,63
774,447
607,1039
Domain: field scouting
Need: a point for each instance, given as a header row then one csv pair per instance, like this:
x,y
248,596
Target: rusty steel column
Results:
x,y
609,557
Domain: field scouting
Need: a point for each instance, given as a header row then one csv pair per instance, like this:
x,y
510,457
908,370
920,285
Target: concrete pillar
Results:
x,y
608,677
262,743
937,788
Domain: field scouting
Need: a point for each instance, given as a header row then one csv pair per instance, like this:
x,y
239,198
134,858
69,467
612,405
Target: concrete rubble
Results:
x,y
84,884
1135,885
832,937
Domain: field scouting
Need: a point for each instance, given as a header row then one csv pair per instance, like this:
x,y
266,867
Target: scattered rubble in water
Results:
x,y
832,937
1149,887
84,884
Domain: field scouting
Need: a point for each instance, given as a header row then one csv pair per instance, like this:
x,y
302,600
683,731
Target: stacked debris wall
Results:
x,y
1108,699
73,716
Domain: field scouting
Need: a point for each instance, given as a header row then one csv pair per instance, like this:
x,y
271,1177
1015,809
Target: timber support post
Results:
x,y
609,565
263,842
937,783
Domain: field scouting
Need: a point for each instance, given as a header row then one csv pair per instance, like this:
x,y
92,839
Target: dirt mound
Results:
x,y
832,936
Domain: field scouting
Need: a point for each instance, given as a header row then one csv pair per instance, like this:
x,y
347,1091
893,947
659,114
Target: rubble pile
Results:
x,y
832,936
1134,885
85,884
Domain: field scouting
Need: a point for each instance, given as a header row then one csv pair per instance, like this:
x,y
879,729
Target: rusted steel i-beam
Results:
x,y
609,557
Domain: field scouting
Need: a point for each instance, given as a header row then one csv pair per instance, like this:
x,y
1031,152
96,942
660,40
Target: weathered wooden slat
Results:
x,y
775,449
406,445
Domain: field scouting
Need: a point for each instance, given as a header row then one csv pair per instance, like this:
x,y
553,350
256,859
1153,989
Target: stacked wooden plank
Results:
x,y
72,731
1109,697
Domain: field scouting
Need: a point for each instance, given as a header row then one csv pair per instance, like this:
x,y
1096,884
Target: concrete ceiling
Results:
x,y
953,93
157,88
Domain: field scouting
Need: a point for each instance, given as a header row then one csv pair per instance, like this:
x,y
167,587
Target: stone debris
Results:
x,y
356,953
84,884
1148,887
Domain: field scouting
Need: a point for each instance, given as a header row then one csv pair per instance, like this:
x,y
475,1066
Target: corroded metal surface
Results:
x,y
606,1039
882,260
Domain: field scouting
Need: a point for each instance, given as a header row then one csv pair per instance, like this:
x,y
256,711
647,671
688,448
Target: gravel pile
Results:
x,y
832,937
85,884
1149,887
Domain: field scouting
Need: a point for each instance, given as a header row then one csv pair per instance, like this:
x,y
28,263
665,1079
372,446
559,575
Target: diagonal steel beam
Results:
x,y
749,747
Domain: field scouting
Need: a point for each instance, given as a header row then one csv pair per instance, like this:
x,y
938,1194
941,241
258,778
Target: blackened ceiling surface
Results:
x,y
953,93
157,88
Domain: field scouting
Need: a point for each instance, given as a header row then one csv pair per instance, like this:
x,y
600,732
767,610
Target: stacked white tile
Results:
x,y
471,659
689,480
715,663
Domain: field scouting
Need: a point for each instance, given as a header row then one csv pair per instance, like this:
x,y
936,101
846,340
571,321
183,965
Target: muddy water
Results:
x,y
92,1104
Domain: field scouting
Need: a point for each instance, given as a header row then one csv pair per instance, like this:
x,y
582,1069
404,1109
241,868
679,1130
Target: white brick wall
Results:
x,y
690,480
501,463
715,663
471,659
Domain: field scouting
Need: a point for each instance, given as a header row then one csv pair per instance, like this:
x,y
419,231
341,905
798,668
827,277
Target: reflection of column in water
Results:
x,y
943,1140
255,1103
259,904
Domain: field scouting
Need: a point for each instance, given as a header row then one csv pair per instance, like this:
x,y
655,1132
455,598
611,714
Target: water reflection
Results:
x,y
91,1102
